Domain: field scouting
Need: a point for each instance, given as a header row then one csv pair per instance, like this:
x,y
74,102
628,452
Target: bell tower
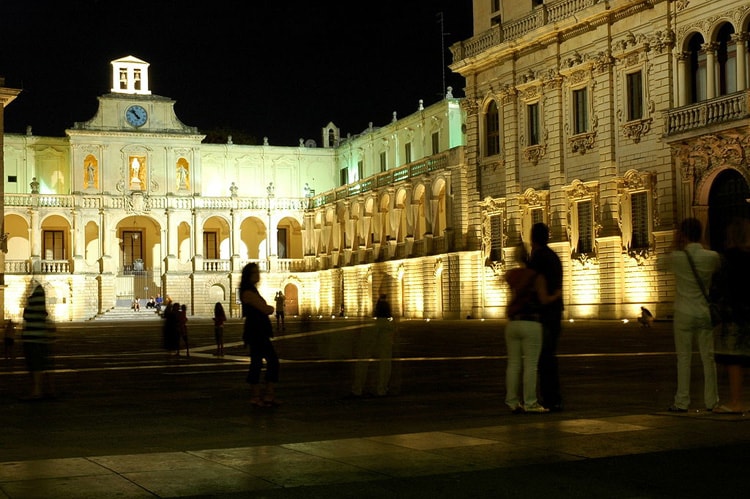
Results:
x,y
130,76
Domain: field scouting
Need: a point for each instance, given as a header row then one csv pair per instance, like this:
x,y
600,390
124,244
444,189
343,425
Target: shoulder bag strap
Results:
x,y
697,277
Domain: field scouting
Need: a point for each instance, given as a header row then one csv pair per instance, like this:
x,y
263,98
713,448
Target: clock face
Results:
x,y
136,115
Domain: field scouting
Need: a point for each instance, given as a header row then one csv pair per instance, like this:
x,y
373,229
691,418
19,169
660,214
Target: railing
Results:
x,y
55,266
390,177
17,267
719,110
549,13
217,265
45,267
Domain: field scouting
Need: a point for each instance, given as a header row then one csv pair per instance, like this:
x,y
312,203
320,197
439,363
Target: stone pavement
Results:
x,y
129,423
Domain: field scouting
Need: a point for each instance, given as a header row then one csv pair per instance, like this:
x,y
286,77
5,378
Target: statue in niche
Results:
x,y
90,173
233,190
34,185
183,176
135,168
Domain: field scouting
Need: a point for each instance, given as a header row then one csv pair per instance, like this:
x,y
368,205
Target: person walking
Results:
x,y
280,304
220,317
732,335
693,267
376,339
38,334
524,337
256,335
545,261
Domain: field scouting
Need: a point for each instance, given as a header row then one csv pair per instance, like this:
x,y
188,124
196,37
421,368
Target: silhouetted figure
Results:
x,y
38,334
546,262
378,340
257,335
220,317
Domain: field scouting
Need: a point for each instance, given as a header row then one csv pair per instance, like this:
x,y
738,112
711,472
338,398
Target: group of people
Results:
x,y
533,330
175,331
704,277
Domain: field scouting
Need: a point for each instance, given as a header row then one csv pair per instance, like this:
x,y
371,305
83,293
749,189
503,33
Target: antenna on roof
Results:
x,y
443,34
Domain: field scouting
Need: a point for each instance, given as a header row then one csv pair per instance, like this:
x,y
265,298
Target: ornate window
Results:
x,y
580,111
637,213
493,232
492,130
583,219
533,125
634,95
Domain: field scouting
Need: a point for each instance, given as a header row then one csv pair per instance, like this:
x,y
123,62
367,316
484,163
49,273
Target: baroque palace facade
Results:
x,y
610,121
131,204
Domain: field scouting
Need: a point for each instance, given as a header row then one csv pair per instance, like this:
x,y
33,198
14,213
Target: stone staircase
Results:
x,y
125,313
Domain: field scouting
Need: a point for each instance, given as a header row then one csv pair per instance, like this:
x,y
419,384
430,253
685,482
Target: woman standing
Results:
x,y
220,317
523,336
257,335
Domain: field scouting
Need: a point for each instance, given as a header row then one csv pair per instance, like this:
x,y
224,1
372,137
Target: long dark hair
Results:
x,y
247,270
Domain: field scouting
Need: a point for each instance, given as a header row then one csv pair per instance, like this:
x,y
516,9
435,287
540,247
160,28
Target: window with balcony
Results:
x,y
696,61
211,245
407,152
54,245
344,176
726,58
132,248
435,143
383,162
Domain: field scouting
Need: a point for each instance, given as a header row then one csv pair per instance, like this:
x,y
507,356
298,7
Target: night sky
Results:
x,y
252,68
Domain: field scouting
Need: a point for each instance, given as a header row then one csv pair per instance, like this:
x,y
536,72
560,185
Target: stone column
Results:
x,y
740,40
710,50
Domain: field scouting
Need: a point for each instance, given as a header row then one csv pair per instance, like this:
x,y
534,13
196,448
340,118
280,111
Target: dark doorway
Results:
x,y
727,200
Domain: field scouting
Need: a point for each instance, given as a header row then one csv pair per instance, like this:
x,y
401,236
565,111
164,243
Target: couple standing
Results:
x,y
534,326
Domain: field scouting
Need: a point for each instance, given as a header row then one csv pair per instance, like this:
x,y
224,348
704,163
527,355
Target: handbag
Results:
x,y
713,307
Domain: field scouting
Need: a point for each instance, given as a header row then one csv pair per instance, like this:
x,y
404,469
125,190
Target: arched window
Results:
x,y
492,130
726,58
696,84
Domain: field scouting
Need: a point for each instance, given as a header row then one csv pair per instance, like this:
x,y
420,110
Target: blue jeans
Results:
x,y
524,342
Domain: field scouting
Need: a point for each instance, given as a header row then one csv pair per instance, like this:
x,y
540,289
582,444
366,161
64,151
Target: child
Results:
x,y
219,319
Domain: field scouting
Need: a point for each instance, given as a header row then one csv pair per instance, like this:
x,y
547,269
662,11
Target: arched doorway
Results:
x,y
291,301
727,199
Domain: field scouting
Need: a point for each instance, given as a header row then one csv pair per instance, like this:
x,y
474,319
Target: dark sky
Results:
x,y
281,69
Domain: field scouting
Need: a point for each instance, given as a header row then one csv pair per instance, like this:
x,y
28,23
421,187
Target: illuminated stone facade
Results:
x,y
131,203
611,122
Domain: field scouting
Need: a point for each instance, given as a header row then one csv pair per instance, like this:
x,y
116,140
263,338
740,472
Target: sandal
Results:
x,y
723,409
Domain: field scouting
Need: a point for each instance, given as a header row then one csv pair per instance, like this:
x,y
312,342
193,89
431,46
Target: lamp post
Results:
x,y
270,189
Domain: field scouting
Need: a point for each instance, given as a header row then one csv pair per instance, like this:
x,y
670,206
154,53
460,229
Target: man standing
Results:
x,y
545,261
692,318
280,303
